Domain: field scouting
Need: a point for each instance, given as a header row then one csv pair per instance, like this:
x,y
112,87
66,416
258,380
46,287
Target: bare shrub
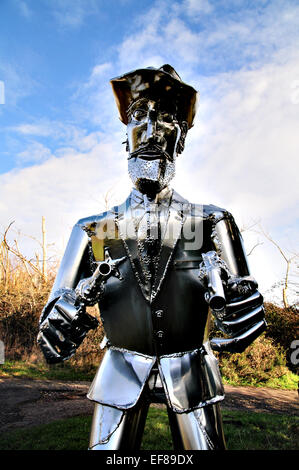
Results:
x,y
24,291
260,361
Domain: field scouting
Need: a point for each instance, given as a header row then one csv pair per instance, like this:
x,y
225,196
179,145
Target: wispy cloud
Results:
x,y
72,13
241,153
35,153
42,130
61,134
18,84
23,8
194,8
63,190
225,38
93,100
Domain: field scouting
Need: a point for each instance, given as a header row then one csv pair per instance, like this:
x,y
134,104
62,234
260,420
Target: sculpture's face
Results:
x,y
153,135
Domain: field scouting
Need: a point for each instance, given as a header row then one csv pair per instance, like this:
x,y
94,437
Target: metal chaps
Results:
x,y
114,429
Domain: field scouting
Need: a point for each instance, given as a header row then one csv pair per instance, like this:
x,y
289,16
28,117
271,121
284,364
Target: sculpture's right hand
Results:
x,y
63,330
89,290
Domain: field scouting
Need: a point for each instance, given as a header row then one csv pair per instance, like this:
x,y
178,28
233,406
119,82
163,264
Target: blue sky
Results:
x,y
61,139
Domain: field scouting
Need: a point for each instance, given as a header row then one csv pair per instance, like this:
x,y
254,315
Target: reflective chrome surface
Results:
x,y
229,243
163,83
211,270
151,176
105,422
154,311
191,380
152,130
124,432
113,429
239,343
74,263
199,430
127,371
153,136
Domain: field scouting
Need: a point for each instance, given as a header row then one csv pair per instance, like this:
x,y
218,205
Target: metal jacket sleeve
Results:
x,y
75,262
244,318
64,322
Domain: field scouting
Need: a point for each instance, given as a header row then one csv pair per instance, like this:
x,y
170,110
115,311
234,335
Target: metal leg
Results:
x,y
197,430
114,429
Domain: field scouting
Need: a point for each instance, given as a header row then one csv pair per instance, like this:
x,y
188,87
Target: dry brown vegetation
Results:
x,y
24,289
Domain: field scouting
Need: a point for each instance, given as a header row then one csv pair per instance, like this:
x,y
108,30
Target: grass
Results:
x,y
243,431
260,431
68,371
288,381
43,371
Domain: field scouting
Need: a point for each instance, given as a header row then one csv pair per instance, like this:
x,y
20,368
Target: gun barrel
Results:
x,y
217,303
216,296
104,269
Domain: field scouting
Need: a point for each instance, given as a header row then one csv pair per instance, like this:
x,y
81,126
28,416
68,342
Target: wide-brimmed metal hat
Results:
x,y
155,83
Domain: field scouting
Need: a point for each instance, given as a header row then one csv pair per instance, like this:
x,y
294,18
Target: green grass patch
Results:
x,y
243,431
287,381
67,371
42,371
260,431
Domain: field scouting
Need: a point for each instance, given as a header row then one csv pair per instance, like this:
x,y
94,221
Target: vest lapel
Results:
x,y
178,211
127,233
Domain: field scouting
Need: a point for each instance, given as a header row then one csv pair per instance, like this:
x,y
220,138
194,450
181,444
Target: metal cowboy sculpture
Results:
x,y
158,267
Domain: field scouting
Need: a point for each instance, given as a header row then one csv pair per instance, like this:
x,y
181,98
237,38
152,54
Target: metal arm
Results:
x,y
242,318
64,322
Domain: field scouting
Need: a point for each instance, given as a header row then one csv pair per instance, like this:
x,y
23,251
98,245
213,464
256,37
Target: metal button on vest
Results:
x,y
160,334
159,313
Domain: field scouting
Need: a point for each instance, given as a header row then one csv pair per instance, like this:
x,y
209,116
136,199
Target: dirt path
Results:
x,y
26,402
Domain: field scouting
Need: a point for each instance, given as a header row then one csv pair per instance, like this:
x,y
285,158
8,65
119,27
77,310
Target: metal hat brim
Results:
x,y
153,83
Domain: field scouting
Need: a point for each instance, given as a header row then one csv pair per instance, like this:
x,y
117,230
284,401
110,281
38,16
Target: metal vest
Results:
x,y
165,323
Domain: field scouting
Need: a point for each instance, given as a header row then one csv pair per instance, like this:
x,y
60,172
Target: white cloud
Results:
x,y
62,133
250,138
241,153
63,190
35,152
17,83
223,39
197,7
72,13
42,130
97,72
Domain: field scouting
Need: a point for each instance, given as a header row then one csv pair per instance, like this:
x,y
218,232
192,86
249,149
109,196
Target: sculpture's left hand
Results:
x,y
63,329
243,318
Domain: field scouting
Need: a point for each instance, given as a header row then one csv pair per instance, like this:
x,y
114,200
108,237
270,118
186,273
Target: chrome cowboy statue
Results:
x,y
158,267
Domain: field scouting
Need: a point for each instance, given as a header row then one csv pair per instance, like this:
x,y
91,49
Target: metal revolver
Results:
x,y
89,289
214,272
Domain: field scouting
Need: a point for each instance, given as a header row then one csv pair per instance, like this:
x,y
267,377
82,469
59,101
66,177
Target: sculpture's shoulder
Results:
x,y
215,213
205,211
210,211
104,223
91,223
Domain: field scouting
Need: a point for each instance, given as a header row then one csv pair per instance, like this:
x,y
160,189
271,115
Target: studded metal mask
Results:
x,y
155,138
